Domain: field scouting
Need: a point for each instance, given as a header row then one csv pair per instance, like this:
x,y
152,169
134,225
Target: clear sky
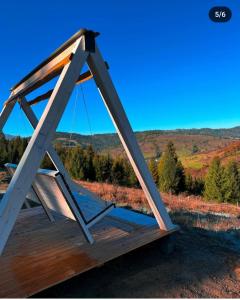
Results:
x,y
172,66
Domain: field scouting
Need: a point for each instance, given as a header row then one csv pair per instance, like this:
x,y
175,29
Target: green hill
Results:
x,y
153,142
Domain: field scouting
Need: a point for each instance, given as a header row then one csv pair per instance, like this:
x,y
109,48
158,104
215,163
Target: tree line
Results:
x,y
11,150
81,163
86,164
221,183
169,174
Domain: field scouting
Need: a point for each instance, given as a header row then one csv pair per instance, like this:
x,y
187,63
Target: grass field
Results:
x,y
135,198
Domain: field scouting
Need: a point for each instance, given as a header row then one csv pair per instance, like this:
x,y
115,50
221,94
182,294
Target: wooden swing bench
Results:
x,y
72,230
52,192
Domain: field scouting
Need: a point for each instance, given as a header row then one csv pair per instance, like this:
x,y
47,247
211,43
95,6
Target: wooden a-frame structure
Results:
x,y
67,62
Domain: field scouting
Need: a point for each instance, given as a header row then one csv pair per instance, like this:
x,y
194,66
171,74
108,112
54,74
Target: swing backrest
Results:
x,y
47,184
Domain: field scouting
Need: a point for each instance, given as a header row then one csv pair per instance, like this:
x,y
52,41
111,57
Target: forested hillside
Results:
x,y
221,182
153,142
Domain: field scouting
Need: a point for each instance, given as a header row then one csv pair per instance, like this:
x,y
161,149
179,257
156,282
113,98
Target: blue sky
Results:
x,y
172,66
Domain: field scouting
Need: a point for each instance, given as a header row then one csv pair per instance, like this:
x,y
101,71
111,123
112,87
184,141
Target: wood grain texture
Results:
x,y
40,254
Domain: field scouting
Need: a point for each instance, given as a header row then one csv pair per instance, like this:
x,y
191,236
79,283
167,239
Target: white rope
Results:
x,y
86,110
74,115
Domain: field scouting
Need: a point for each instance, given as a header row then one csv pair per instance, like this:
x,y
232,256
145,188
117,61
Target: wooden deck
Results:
x,y
40,254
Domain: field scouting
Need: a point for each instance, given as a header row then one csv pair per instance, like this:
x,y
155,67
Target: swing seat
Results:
x,y
51,191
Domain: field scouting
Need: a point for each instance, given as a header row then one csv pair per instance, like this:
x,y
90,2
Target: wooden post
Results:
x,y
38,145
127,137
5,113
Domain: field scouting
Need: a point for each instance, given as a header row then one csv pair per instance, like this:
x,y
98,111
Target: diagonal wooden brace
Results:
x,y
112,102
38,145
5,113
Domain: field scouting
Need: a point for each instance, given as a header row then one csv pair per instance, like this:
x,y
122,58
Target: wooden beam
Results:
x,y
50,71
5,113
38,145
40,98
82,78
52,66
128,139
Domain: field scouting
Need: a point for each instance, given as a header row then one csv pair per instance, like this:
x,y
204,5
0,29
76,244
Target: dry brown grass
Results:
x,y
135,198
191,211
122,196
187,211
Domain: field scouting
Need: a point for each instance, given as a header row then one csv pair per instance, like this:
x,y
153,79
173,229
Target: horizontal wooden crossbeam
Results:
x,y
81,79
58,51
52,66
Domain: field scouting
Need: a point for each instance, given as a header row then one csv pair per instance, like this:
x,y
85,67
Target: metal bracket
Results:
x,y
89,41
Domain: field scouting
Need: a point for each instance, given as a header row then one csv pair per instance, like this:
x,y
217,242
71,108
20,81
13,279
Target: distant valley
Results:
x,y
195,147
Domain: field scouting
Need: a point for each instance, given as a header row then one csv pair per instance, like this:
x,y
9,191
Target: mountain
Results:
x,y
233,132
105,140
153,142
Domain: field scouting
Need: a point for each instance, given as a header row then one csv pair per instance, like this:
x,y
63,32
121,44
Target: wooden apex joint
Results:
x,y
89,41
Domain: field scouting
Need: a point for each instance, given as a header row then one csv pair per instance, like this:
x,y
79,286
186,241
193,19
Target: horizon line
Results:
x,y
137,131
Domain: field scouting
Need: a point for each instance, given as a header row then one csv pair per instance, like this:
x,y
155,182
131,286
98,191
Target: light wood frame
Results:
x,y
68,64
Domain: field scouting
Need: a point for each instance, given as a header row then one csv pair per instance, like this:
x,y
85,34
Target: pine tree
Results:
x,y
180,178
3,152
61,152
103,167
132,179
75,162
117,173
198,186
213,188
189,182
153,168
129,177
89,167
170,171
194,186
231,183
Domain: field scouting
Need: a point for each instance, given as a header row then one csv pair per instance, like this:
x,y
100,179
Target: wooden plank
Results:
x,y
55,253
47,73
